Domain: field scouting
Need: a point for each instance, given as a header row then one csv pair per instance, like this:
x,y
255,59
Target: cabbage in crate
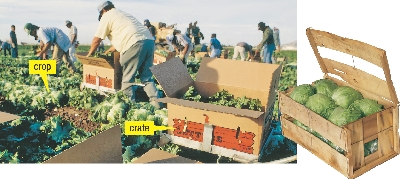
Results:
x,y
321,105
302,92
367,106
344,96
325,87
341,116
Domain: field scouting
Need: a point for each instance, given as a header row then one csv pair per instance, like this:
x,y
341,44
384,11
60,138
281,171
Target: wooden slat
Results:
x,y
385,142
371,158
370,138
335,134
357,132
373,164
293,109
384,119
370,126
365,94
395,132
356,48
386,70
315,146
315,49
358,78
357,155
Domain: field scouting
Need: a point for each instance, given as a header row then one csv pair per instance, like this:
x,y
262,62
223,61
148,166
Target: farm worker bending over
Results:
x,y
267,43
169,39
184,41
203,48
135,44
240,49
215,46
151,28
52,36
6,47
73,35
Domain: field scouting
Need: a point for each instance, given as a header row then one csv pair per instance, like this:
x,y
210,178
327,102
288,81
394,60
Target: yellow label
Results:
x,y
142,128
43,68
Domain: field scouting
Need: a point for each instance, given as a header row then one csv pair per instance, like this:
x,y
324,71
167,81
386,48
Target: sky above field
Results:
x,y
232,20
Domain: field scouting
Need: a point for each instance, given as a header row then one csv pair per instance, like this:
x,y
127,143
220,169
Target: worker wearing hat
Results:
x,y
135,44
267,43
49,36
181,40
73,35
151,28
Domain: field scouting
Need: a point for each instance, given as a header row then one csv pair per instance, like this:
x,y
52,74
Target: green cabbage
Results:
x,y
344,96
321,105
367,106
325,87
302,92
370,147
341,116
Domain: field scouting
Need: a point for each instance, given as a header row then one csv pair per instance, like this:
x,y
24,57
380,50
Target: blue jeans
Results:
x,y
14,52
268,50
215,53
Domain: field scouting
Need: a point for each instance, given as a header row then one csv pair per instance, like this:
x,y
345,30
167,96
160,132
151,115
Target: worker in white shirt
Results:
x,y
73,35
185,42
135,44
52,36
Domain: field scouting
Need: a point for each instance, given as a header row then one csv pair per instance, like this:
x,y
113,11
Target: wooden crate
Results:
x,y
351,138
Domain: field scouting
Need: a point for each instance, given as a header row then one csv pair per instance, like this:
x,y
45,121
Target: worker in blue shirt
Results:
x,y
6,47
215,46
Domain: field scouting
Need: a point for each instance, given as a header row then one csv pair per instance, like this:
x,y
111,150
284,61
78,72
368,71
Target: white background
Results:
x,y
372,22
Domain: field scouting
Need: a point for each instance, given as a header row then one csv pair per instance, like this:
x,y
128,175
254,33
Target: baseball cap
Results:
x,y
28,28
102,6
67,22
146,21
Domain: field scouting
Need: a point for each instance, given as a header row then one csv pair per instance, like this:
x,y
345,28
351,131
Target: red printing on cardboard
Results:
x,y
222,137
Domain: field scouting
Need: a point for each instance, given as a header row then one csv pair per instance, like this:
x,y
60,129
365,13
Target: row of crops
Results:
x,y
51,122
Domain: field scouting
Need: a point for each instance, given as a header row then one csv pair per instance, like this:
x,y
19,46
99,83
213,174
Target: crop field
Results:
x,y
51,122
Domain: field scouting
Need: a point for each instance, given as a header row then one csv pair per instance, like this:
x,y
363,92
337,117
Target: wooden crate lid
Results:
x,y
349,74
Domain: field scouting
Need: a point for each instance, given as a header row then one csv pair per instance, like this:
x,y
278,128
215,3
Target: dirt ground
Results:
x,y
79,118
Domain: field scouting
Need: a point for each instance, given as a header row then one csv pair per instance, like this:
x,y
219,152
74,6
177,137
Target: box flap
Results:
x,y
212,107
105,147
349,74
158,156
100,62
173,77
262,78
4,117
236,73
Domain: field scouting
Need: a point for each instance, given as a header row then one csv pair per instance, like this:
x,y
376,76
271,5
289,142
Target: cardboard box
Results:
x,y
383,125
98,73
5,117
227,131
105,147
159,58
201,54
159,156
